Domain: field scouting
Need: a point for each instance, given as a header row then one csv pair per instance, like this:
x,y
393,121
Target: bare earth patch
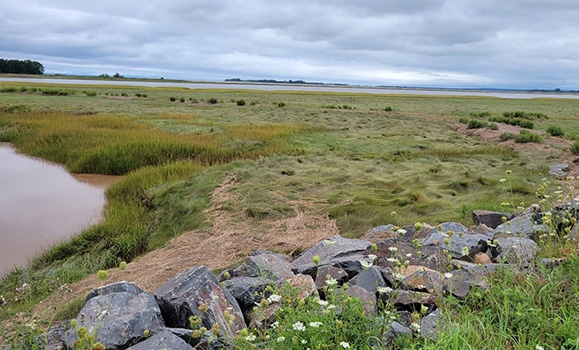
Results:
x,y
232,237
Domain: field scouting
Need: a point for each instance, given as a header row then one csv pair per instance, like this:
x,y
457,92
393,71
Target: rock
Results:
x,y
551,263
123,286
164,340
183,295
491,219
461,238
369,279
516,250
248,291
269,265
429,324
411,300
521,226
482,258
304,284
379,233
558,170
54,338
477,269
207,342
425,280
393,251
395,330
368,298
118,320
461,282
333,272
332,251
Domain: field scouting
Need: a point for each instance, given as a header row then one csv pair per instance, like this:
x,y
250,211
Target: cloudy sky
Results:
x,y
448,43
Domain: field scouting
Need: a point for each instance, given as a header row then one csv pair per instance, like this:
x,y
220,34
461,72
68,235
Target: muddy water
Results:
x,y
42,204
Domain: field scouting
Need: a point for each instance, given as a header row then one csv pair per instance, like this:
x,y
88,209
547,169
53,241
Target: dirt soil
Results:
x,y
232,237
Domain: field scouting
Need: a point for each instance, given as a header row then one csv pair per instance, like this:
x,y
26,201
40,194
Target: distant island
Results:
x,y
273,81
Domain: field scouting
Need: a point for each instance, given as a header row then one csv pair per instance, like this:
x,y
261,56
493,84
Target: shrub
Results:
x,y
493,126
172,99
138,94
480,114
506,136
555,131
8,89
476,124
463,120
281,104
240,102
525,136
90,93
527,124
388,109
575,148
212,101
124,94
181,100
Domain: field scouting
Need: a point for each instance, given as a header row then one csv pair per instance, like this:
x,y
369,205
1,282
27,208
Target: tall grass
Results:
x,y
116,145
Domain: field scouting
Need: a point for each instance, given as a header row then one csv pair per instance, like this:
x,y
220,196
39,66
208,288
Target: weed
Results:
x,y
554,130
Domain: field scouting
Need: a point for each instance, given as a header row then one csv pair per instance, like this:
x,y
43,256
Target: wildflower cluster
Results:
x,y
336,321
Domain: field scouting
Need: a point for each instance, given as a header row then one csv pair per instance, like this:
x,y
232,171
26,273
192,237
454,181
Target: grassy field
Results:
x,y
357,156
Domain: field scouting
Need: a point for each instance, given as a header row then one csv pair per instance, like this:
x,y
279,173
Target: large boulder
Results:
x,y
247,290
369,279
196,292
336,250
489,218
265,264
118,320
517,250
454,237
521,226
164,340
123,286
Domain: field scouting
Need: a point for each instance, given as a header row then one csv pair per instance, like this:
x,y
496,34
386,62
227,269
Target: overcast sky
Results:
x,y
450,43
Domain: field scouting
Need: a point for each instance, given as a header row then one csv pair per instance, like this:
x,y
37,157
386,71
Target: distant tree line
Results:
x,y
273,81
20,66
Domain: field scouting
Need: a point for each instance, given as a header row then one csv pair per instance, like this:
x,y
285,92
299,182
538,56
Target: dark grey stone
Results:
x,y
369,279
333,272
336,249
163,340
266,264
183,295
395,330
118,320
489,218
207,342
54,338
429,324
517,250
128,287
462,281
476,269
248,290
368,298
461,237
521,226
558,170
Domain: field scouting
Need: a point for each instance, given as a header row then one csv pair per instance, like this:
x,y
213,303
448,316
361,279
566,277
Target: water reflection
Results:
x,y
41,204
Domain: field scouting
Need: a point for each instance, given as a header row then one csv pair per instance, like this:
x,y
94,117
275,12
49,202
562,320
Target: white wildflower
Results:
x,y
331,282
250,337
448,275
393,249
372,257
315,324
298,326
280,339
274,298
365,264
415,327
345,345
322,302
384,290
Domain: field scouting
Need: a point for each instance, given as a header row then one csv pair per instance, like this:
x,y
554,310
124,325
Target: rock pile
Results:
x,y
407,268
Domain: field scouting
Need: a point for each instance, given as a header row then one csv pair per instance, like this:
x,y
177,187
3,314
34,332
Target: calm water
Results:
x,y
313,88
41,204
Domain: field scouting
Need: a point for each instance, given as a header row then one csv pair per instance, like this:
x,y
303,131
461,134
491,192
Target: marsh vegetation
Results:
x,y
356,157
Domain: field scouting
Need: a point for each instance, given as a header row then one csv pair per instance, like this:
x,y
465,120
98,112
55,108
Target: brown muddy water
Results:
x,y
42,204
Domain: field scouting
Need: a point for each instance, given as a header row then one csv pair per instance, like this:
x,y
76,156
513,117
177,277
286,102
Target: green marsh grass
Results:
x,y
354,164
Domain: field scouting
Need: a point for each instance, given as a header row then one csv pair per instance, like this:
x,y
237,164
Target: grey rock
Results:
x,y
207,342
489,218
462,281
410,299
164,340
473,268
270,265
118,320
517,250
123,286
558,170
395,330
183,295
54,338
429,324
369,279
368,298
426,280
521,226
551,263
247,290
336,249
340,275
461,237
